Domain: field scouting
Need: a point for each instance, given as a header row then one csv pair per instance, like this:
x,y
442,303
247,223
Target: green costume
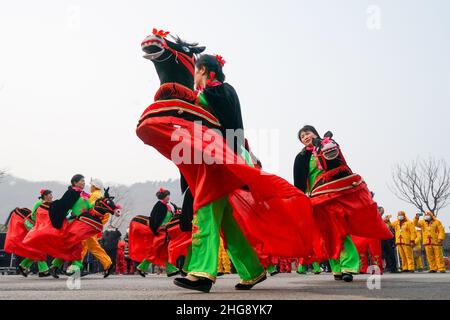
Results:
x,y
302,269
27,263
203,255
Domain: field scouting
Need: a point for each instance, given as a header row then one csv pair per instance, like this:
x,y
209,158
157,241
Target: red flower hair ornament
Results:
x,y
220,60
160,33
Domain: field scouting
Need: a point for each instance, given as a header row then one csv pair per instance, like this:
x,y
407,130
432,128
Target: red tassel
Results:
x,y
42,191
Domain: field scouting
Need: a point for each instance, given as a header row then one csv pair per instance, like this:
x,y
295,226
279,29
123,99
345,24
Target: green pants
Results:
x,y
348,261
202,259
27,263
145,265
271,268
76,265
304,269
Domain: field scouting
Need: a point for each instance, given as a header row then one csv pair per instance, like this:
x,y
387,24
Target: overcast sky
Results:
x,y
73,82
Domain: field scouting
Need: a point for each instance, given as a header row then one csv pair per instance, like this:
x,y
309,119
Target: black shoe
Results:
x,y
241,286
54,272
44,274
142,273
219,274
274,273
347,277
84,274
107,273
338,277
411,271
24,272
173,274
301,273
202,285
183,274
317,273
443,271
432,271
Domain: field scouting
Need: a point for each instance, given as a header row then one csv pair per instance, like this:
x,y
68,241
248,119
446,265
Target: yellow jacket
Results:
x,y
405,232
418,240
96,195
432,231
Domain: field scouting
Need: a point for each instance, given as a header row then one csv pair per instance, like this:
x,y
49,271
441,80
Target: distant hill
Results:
x,y
136,199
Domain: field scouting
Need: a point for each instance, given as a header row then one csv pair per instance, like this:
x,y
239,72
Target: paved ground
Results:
x,y
284,286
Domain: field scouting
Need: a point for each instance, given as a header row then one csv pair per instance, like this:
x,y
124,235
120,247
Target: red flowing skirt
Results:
x,y
15,237
140,239
274,215
64,243
341,208
179,242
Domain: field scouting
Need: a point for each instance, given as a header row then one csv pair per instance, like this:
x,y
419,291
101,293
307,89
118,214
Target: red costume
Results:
x,y
368,247
17,233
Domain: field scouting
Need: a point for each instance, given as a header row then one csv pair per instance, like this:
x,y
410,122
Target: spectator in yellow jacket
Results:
x,y
405,236
417,251
433,235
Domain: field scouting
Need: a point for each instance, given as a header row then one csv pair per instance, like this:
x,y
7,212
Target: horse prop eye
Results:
x,y
186,49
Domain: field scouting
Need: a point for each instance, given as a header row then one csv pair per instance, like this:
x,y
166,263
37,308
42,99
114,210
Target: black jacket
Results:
x,y
225,105
59,208
157,216
301,169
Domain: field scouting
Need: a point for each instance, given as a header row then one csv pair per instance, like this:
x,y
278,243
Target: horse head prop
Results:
x,y
174,60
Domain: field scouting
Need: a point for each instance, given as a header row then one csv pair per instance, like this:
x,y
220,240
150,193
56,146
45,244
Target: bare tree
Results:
x,y
121,196
423,183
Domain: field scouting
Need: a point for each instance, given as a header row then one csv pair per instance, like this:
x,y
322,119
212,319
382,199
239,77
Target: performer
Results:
x,y
216,217
342,203
46,197
433,235
233,197
92,245
405,236
160,216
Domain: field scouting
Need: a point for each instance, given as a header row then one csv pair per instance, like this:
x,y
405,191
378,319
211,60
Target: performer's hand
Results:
x,y
413,244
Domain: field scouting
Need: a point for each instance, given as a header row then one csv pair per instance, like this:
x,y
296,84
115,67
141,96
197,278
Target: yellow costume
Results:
x,y
92,244
405,236
433,235
417,251
224,265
